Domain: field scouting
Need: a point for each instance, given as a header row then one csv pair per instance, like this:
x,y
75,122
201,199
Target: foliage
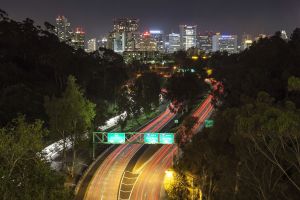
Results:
x,y
178,187
35,64
147,89
252,152
185,87
71,115
24,172
294,84
140,96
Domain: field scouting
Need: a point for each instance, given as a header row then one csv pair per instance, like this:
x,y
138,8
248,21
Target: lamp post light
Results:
x,y
169,177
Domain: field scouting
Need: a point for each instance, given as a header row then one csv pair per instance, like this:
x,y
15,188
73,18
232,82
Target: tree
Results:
x,y
294,84
124,105
185,87
252,152
269,137
24,172
178,187
147,89
71,115
140,96
35,62
128,102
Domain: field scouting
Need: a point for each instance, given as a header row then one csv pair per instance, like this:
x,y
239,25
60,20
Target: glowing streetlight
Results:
x,y
209,72
195,57
169,178
169,174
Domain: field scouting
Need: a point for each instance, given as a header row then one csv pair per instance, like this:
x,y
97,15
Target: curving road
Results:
x,y
105,182
150,181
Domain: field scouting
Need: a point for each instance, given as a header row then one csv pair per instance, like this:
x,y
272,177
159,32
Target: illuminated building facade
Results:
x,y
246,41
126,25
63,29
78,38
204,42
142,56
159,36
119,42
174,43
147,43
188,36
124,35
91,45
103,43
224,43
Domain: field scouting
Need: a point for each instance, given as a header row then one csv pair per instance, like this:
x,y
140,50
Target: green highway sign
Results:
x,y
166,138
151,138
116,138
209,123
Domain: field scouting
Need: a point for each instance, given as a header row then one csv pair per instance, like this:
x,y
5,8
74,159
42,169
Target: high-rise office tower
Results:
x,y
91,45
188,36
126,25
174,42
63,29
119,42
147,43
78,38
124,34
224,43
204,41
159,36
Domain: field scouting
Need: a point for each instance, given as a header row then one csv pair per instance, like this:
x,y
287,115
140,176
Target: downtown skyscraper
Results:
x,y
78,38
63,29
65,34
224,43
188,36
124,35
174,42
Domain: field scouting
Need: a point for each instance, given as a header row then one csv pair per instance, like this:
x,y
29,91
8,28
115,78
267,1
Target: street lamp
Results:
x,y
169,174
168,179
195,57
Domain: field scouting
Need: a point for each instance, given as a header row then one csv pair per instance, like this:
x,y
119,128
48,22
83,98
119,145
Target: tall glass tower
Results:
x,y
63,29
188,36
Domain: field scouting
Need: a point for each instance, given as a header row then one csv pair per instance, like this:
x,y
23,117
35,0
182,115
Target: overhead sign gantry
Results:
x,y
139,138
132,138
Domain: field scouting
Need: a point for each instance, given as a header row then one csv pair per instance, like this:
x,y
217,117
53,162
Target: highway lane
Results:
x,y
105,182
152,173
150,180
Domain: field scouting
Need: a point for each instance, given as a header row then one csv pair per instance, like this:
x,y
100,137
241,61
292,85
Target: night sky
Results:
x,y
226,16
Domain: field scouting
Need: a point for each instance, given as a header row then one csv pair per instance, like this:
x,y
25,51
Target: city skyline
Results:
x,y
96,17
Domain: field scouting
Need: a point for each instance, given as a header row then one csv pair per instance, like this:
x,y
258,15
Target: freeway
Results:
x,y
105,182
150,180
